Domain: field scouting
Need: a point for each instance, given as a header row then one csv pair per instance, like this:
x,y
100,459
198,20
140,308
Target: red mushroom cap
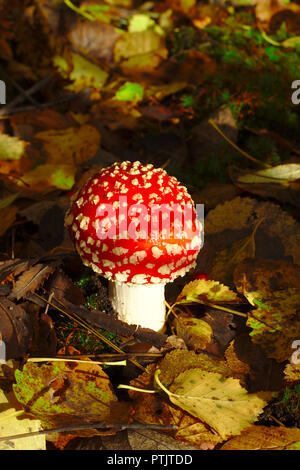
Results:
x,y
127,224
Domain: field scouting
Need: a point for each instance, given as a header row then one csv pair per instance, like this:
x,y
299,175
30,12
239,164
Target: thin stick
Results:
x,y
215,126
27,109
88,327
58,359
219,307
229,310
111,356
117,426
19,99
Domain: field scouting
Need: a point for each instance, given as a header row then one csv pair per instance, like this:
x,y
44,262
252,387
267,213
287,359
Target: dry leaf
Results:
x,y
10,424
15,329
195,332
265,438
220,402
62,393
30,280
273,288
206,291
70,146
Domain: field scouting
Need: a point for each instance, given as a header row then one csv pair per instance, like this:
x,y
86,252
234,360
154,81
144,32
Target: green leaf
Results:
x,y
130,92
140,22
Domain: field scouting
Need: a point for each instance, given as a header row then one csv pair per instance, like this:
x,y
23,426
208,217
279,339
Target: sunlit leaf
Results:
x,y
11,148
130,92
12,422
265,438
220,402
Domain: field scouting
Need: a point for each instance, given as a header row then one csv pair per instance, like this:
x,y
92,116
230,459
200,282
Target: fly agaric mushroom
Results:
x,y
137,226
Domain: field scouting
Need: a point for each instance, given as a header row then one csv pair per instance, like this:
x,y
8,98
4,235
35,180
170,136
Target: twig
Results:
x,y
59,359
102,424
215,126
27,109
19,99
88,327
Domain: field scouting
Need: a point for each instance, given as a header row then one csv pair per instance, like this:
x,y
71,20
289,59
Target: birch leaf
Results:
x,y
220,402
206,291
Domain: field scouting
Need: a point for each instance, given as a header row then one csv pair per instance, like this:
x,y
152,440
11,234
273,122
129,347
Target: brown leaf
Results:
x,y
265,438
7,216
30,280
15,329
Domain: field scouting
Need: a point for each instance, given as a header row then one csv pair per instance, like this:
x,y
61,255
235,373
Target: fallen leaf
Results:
x,y
70,146
292,372
11,424
206,291
15,329
195,332
279,182
44,178
220,402
273,288
130,92
61,393
30,280
7,216
8,200
83,73
245,227
265,438
11,148
133,44
152,409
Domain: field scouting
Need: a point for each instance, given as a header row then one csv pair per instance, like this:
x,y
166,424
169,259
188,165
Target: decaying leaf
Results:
x,y
30,280
7,216
277,182
45,178
15,329
70,146
243,228
11,148
273,288
152,409
203,291
195,332
82,72
292,372
265,438
60,393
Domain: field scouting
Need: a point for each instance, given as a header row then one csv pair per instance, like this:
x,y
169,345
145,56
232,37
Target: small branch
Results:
x,y
27,109
59,359
116,426
88,327
215,126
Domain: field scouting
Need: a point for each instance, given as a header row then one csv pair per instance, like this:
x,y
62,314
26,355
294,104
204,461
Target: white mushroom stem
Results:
x,y
142,305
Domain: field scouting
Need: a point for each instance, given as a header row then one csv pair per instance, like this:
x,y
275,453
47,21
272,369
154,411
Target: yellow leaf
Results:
x,y
206,291
132,44
195,332
280,174
11,148
265,438
220,402
70,146
45,178
11,424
